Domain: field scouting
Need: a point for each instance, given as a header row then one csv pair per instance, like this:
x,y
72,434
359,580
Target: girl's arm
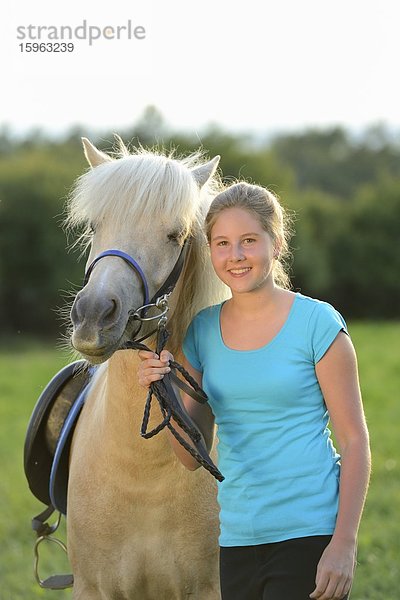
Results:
x,y
338,378
153,368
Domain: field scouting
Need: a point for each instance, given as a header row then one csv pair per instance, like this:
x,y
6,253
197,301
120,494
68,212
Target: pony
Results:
x,y
139,524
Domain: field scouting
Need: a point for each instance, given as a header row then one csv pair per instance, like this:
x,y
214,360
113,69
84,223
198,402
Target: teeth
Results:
x,y
239,271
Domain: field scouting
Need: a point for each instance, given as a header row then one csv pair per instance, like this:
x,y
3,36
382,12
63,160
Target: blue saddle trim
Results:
x,y
61,391
58,483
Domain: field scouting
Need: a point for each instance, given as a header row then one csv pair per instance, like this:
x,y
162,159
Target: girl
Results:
x,y
276,366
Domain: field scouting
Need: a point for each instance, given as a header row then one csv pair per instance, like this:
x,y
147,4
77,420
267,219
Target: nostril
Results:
x,y
96,312
75,312
110,310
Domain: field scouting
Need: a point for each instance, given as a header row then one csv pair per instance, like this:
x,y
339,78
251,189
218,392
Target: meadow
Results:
x,y
26,367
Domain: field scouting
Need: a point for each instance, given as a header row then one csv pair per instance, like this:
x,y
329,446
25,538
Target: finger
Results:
x,y
150,374
146,380
151,363
166,356
146,354
157,370
321,584
332,591
343,588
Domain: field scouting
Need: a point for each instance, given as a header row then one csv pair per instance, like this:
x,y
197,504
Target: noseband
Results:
x,y
159,300
128,259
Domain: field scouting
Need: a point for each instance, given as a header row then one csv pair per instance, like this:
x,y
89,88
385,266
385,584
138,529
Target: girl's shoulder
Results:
x,y
314,306
308,300
205,319
209,313
321,323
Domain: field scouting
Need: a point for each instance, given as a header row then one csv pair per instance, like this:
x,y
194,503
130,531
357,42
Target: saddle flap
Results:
x,y
46,423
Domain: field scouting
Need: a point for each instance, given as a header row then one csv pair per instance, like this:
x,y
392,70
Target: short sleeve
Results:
x,y
325,324
190,346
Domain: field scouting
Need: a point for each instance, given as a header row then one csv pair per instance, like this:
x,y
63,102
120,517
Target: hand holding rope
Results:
x,y
169,404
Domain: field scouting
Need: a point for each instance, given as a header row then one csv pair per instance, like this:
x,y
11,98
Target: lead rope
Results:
x,y
171,407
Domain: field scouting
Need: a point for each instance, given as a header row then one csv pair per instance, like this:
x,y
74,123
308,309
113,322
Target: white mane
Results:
x,y
147,185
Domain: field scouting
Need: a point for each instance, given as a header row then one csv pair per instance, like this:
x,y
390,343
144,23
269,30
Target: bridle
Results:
x,y
163,389
160,299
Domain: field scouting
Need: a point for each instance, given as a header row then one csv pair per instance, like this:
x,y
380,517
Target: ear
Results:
x,y
203,173
93,155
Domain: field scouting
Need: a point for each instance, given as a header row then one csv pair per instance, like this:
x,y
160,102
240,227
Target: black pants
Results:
x,y
278,571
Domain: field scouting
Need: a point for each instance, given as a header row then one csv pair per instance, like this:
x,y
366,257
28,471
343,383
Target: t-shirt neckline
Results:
x,y
268,344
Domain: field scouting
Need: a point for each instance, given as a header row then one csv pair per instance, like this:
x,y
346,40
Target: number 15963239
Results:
x,y
46,47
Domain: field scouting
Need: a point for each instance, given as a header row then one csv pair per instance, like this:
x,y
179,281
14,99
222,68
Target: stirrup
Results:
x,y
44,531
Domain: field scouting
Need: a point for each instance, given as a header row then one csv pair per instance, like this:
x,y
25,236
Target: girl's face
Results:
x,y
242,252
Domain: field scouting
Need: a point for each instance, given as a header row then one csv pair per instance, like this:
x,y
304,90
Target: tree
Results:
x,y
34,264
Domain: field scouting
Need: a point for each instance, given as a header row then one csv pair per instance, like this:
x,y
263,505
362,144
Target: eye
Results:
x,y
176,237
222,243
248,240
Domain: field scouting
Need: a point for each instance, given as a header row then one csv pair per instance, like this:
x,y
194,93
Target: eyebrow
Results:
x,y
244,235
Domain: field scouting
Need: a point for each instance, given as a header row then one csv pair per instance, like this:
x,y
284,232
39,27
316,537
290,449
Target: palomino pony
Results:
x,y
140,526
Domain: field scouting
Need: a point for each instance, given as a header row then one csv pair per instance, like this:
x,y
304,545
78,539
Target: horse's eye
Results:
x,y
175,236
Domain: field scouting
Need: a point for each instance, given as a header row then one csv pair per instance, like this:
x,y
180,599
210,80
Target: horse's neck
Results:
x,y
121,401
123,396
122,381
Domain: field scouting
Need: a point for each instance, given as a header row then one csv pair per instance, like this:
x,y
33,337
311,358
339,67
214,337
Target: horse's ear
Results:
x,y
94,156
203,173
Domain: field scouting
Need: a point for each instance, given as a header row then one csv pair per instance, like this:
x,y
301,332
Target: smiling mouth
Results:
x,y
239,271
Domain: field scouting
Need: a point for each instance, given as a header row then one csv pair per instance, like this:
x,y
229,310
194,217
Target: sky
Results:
x,y
256,66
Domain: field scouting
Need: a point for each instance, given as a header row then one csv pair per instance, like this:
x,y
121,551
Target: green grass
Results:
x,y
26,367
378,573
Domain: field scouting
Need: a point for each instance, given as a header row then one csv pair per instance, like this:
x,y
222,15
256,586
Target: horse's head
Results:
x,y
145,205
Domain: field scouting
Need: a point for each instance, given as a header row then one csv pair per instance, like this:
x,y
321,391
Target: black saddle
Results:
x,y
49,434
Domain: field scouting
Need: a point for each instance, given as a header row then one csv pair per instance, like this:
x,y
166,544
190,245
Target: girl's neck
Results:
x,y
257,303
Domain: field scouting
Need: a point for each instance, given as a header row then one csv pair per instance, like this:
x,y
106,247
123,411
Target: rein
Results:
x,y
170,406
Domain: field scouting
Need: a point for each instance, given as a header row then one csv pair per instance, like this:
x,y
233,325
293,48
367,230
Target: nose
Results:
x,y
237,253
94,310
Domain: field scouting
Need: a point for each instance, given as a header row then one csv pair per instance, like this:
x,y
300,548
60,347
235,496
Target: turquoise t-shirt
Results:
x,y
274,448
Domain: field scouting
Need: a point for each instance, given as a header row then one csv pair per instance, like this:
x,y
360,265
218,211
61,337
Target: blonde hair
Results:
x,y
265,206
